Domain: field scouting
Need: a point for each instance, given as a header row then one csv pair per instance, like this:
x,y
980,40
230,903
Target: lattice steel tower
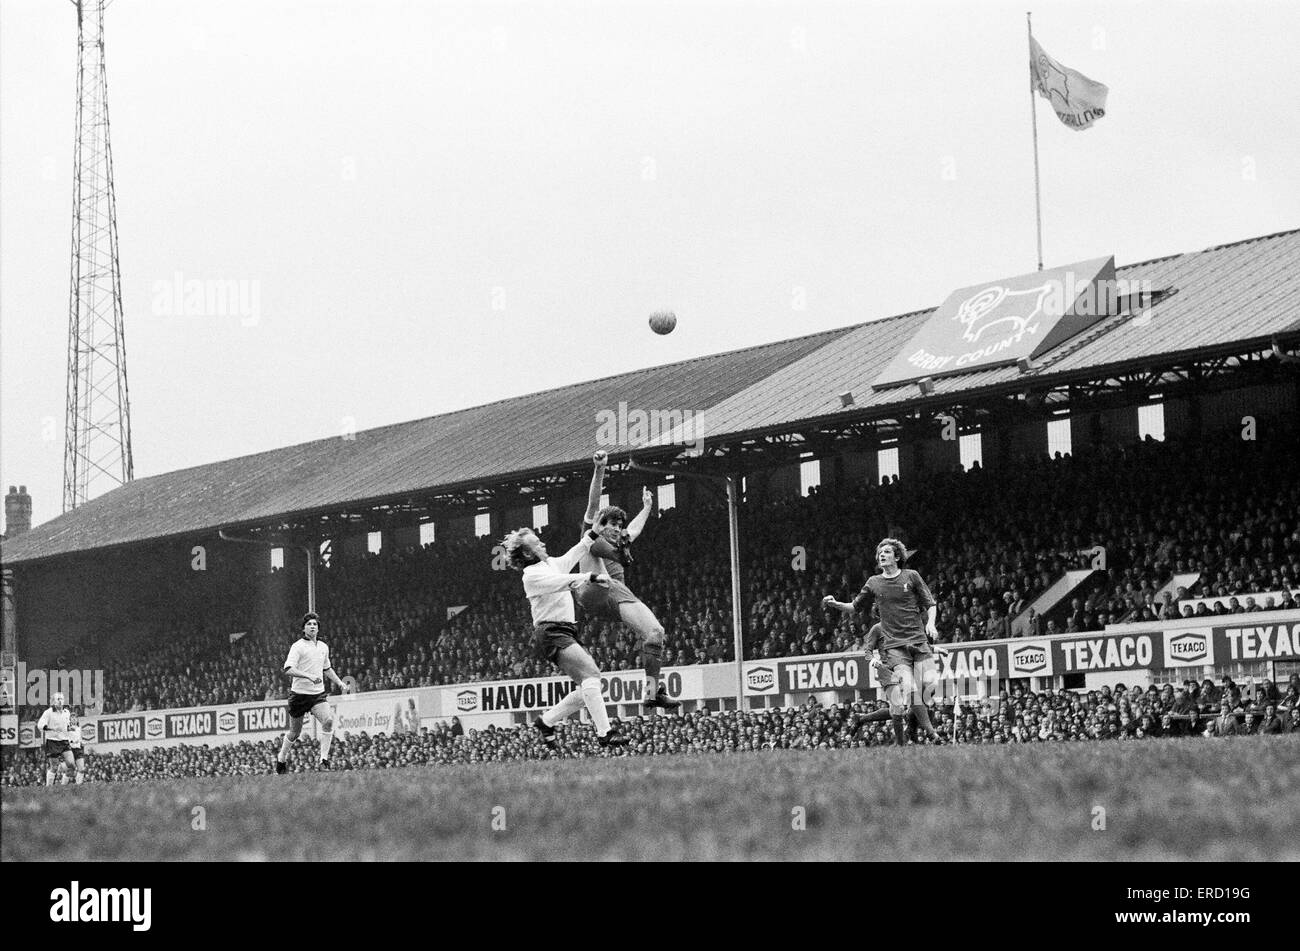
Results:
x,y
97,440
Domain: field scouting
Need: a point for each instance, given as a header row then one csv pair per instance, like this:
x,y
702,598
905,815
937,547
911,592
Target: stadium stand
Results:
x,y
1204,502
987,543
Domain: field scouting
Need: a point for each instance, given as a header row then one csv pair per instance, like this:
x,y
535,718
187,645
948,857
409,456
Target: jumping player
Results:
x,y
907,616
52,727
308,663
615,601
549,586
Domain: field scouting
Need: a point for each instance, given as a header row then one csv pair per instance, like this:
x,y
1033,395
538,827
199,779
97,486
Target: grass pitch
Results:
x,y
1211,800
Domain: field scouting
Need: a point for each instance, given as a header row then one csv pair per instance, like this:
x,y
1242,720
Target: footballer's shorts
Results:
x,y
906,656
551,637
301,704
602,601
55,748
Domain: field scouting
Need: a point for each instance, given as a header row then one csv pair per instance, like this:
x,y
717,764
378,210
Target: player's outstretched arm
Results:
x,y
830,603
564,563
647,506
600,458
536,583
334,678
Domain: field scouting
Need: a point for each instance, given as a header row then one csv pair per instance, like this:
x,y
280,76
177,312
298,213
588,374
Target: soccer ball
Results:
x,y
663,321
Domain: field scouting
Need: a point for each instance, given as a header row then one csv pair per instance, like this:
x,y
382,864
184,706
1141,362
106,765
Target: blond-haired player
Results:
x,y
549,587
52,728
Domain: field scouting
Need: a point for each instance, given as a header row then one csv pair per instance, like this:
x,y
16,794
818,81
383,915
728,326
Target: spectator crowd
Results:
x,y
1014,716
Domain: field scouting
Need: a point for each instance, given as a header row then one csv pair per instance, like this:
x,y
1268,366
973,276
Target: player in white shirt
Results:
x,y
75,747
308,664
549,586
52,728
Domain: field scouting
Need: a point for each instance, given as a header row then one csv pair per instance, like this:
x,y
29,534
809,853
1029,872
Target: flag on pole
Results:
x,y
1077,100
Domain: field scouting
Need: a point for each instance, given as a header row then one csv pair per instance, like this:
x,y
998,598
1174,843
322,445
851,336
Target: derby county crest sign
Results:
x,y
1002,321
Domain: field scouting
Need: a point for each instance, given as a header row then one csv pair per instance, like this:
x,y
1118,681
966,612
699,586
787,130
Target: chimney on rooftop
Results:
x,y
18,511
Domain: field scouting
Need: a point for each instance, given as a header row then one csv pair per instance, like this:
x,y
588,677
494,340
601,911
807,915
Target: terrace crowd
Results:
x,y
1015,716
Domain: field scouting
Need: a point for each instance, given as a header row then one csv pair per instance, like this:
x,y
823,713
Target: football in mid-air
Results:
x,y
663,321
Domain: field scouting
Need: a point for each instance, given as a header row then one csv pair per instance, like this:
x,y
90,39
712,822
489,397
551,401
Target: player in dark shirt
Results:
x,y
907,615
615,601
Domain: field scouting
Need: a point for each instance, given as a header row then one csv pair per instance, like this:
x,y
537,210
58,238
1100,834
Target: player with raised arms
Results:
x,y
549,586
901,650
308,664
609,554
52,728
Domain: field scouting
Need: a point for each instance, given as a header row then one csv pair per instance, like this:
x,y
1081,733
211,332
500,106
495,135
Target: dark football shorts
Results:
x,y
906,656
601,601
300,704
55,748
551,637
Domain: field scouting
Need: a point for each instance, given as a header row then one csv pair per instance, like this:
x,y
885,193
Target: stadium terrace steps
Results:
x,y
1184,580
1057,592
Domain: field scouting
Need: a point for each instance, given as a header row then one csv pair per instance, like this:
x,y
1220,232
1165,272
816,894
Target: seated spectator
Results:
x,y
1225,724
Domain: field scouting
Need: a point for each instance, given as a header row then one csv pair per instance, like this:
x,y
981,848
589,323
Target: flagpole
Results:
x,y
1033,116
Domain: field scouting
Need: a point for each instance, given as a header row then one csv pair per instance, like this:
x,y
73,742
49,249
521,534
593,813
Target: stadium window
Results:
x,y
887,463
326,550
541,515
810,475
667,496
482,524
374,542
971,447
277,558
1058,437
1151,421
428,534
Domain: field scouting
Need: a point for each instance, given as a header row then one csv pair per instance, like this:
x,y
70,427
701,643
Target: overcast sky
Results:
x,y
440,205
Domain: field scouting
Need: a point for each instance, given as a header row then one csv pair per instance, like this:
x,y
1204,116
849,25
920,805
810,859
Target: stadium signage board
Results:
x,y
9,729
760,679
27,735
839,673
230,720
259,718
517,696
1106,652
120,729
1002,321
1260,642
1184,648
194,723
1029,659
358,713
973,663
